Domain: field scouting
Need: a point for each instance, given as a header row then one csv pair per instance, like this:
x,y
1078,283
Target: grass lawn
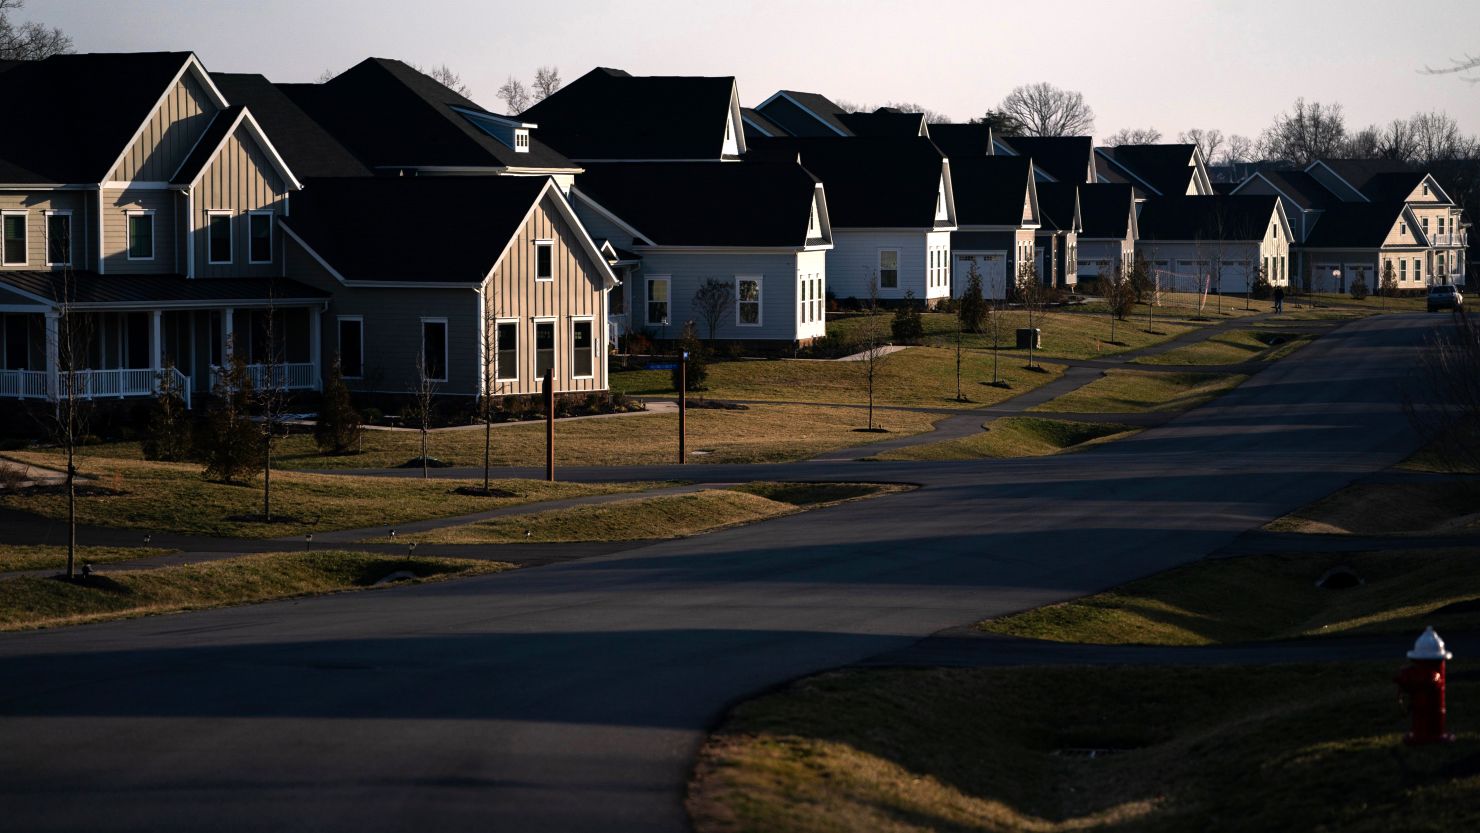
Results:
x,y
660,516
46,602
1301,312
1228,749
1384,508
15,557
1130,391
1016,437
1266,597
1233,347
919,376
174,497
1402,304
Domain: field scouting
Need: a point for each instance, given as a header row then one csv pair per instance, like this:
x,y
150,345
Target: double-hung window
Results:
x,y
352,347
582,348
141,235
58,238
434,349
14,249
657,300
888,268
544,347
218,237
506,347
1417,269
259,237
748,301
544,260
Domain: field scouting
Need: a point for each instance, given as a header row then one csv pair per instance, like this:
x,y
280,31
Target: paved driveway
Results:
x,y
573,697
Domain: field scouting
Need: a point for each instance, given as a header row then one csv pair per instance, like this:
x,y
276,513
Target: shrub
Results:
x,y
698,370
973,308
907,327
339,426
1358,290
167,427
231,444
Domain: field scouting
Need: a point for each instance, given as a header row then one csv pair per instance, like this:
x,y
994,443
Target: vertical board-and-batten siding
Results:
x,y
169,135
577,291
239,179
36,204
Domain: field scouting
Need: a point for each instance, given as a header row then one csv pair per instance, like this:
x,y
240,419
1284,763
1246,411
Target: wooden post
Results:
x,y
683,406
550,425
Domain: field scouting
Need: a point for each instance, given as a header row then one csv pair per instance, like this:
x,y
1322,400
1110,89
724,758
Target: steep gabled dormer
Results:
x,y
169,133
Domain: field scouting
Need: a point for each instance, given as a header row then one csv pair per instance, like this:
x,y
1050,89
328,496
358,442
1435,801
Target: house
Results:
x,y
1055,158
1355,242
1056,241
1303,196
1108,229
146,225
1169,170
761,228
1214,243
494,269
892,212
959,141
804,115
998,217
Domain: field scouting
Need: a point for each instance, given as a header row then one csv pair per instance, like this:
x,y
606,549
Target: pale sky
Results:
x,y
1171,65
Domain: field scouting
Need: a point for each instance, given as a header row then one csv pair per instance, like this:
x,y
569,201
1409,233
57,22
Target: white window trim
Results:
x,y
271,234
647,301
339,343
760,306
573,321
46,236
128,234
554,322
544,244
497,349
446,348
879,265
26,243
230,241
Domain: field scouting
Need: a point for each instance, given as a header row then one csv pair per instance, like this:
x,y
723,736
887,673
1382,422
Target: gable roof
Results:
x,y
608,114
758,125
309,149
1168,170
1058,205
1065,158
885,121
821,109
223,125
961,140
391,116
90,105
991,190
705,204
351,225
1374,179
1361,225
1105,210
1235,217
1299,187
872,182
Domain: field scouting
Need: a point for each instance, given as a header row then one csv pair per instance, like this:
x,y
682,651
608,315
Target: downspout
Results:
x,y
190,231
100,228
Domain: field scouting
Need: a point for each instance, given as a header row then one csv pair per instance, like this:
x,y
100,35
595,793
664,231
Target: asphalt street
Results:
x,y
573,696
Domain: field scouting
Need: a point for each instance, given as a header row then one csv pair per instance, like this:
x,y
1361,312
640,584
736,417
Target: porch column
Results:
x,y
315,351
226,317
156,363
53,353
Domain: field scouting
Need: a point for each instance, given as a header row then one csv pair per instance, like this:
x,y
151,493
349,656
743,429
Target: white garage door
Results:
x,y
1326,277
992,266
1189,276
1360,271
1234,277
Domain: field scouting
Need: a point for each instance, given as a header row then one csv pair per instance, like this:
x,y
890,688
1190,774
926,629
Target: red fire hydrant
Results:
x,y
1422,681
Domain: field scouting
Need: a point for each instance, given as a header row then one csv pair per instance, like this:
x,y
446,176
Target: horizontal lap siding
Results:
x,y
116,205
240,179
689,271
854,262
36,205
577,291
169,136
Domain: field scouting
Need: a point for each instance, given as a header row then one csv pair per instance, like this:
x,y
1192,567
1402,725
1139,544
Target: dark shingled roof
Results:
x,y
750,114
959,140
1359,173
751,203
412,228
871,182
305,145
822,107
1065,158
1392,185
1167,168
991,190
884,121
609,114
88,107
90,288
1105,210
205,146
1206,218
1303,189
1357,225
391,115
1057,202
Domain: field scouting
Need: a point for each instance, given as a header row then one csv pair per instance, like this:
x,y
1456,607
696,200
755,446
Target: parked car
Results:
x,y
1445,296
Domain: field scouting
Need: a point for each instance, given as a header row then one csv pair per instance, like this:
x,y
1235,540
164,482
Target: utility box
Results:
x,y
1029,337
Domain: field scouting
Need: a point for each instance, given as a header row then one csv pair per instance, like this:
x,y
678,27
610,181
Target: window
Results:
x,y
813,229
1402,270
544,348
888,268
14,253
58,238
141,235
748,301
1425,225
544,260
506,346
582,349
1441,225
657,302
521,141
1402,228
352,347
434,348
218,237
1417,269
259,237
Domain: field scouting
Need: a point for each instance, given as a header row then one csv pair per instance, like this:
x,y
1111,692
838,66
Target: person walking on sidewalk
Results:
x,y
1279,300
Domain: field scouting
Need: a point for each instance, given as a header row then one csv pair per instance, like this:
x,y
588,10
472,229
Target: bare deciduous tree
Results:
x,y
423,404
325,77
1310,131
546,82
514,95
1033,295
1045,110
271,398
70,396
931,116
1209,142
449,78
1240,150
873,349
714,300
1120,296
1133,136
28,41
486,407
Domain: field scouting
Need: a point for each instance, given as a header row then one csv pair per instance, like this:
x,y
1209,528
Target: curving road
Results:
x,y
573,697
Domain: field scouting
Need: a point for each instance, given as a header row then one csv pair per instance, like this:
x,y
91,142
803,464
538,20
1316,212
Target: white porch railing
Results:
x,y
292,376
23,384
90,384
